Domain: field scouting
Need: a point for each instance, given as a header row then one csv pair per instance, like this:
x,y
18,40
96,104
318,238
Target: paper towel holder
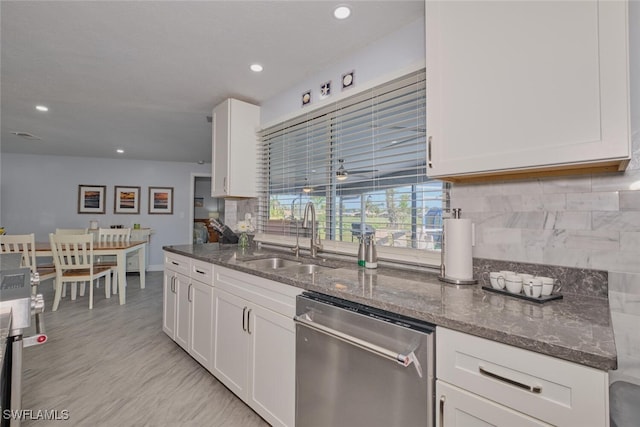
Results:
x,y
443,276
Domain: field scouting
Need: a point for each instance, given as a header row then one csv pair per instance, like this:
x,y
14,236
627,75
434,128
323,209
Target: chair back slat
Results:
x,y
72,230
114,235
72,251
20,243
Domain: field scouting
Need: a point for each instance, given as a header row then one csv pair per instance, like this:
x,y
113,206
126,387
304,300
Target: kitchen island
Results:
x,y
575,328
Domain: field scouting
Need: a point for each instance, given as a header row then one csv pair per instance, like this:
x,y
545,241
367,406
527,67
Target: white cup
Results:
x,y
525,277
497,280
513,283
549,286
533,288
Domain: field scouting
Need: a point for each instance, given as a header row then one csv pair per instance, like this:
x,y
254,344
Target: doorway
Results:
x,y
204,206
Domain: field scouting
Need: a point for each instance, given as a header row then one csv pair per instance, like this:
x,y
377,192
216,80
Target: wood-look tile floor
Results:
x,y
113,366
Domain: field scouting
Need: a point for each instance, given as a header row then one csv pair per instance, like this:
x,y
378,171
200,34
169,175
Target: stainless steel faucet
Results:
x,y
296,248
315,241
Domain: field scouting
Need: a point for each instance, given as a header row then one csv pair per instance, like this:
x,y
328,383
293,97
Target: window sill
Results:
x,y
415,257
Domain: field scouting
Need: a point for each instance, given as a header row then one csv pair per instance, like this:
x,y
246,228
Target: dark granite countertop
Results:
x,y
575,328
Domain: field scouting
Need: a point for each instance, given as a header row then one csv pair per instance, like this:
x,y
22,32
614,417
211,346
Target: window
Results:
x,y
362,162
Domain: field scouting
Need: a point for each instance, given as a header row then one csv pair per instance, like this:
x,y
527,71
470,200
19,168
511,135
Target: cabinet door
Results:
x,y
220,149
231,342
201,347
458,408
169,304
183,307
272,362
525,85
243,123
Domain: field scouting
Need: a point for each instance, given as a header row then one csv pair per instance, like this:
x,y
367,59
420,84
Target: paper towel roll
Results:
x,y
458,258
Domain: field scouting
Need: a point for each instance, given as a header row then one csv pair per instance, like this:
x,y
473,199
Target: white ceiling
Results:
x,y
144,75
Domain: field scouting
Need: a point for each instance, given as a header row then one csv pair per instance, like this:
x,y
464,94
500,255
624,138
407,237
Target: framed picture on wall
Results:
x,y
91,199
126,200
161,200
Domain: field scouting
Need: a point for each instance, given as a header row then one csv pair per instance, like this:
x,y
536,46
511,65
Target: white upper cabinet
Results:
x,y
234,149
526,87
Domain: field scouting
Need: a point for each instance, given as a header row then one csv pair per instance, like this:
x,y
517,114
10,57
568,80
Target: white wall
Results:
x,y
40,193
382,60
587,222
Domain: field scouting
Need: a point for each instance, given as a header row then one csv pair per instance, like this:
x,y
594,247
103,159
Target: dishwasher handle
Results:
x,y
401,359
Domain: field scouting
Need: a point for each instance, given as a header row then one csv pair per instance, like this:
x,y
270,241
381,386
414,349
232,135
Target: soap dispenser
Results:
x,y
371,258
361,252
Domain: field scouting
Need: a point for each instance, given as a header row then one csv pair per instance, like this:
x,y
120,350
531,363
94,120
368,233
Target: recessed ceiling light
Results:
x,y
120,151
342,12
256,68
41,108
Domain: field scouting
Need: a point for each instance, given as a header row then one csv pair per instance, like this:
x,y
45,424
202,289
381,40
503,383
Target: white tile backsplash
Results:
x,y
568,258
620,221
617,181
628,283
568,220
500,203
630,242
528,187
544,202
581,184
602,201
630,200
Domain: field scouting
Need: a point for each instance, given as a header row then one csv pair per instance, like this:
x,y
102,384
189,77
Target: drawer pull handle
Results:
x,y
175,263
443,398
199,271
533,389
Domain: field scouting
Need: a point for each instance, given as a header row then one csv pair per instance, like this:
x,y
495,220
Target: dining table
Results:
x,y
120,250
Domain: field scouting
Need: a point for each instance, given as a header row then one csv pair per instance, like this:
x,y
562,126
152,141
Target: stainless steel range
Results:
x,y
361,366
17,307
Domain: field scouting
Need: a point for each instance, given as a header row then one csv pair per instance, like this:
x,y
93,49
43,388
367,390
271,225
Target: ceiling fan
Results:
x,y
342,173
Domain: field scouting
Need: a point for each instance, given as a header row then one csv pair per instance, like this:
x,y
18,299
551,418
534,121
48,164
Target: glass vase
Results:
x,y
243,240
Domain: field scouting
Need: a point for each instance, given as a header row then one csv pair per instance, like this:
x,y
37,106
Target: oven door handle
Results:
x,y
401,359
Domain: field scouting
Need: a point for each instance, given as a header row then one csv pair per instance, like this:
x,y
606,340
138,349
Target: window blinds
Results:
x,y
360,160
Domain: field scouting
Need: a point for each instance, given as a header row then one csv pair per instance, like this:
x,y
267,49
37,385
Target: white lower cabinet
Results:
x,y
176,271
483,382
183,307
231,343
458,408
254,343
201,321
271,366
188,306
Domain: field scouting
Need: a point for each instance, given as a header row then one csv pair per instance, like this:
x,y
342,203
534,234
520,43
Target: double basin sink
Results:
x,y
285,265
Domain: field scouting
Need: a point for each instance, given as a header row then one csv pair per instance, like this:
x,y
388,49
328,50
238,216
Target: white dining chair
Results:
x,y
73,258
115,236
72,230
26,245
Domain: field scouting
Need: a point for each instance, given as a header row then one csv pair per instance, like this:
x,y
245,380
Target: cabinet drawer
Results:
x,y
553,390
176,263
202,271
275,296
459,408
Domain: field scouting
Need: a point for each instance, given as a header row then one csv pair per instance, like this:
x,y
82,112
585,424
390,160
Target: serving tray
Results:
x,y
539,300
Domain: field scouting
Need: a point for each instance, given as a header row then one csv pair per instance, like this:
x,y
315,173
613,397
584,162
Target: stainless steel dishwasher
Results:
x,y
361,366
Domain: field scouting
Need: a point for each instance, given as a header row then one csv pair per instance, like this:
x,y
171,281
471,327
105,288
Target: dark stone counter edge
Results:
x,y
597,361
